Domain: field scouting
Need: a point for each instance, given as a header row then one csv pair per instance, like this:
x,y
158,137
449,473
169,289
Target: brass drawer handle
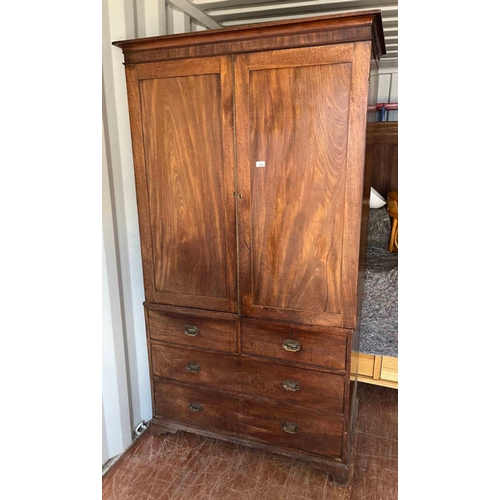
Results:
x,y
290,427
290,385
191,331
291,345
193,367
195,407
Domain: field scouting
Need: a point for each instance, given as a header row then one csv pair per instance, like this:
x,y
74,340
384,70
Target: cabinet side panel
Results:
x,y
357,187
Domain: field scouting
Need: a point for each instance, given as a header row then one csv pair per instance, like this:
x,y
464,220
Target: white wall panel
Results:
x,y
179,21
388,90
117,428
196,26
126,396
151,18
384,87
393,96
116,407
121,238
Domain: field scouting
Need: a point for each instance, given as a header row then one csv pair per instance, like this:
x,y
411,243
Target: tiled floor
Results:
x,y
183,466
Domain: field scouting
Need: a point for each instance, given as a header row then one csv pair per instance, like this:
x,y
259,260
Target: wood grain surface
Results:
x,y
382,155
188,466
322,392
251,419
318,30
184,157
216,334
295,114
297,198
326,349
265,144
185,171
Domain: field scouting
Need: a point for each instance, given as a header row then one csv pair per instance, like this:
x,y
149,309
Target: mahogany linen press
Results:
x,y
249,147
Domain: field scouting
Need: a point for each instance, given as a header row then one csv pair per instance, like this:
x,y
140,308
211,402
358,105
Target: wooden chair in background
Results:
x,y
392,209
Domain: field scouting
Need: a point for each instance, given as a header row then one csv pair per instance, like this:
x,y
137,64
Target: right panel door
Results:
x,y
300,121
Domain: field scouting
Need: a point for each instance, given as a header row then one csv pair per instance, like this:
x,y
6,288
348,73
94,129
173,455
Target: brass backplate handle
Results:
x,y
291,345
290,385
290,427
193,367
191,331
195,407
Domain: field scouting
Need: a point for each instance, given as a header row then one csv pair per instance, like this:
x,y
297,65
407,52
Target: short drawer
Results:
x,y
296,344
191,405
208,333
291,385
272,424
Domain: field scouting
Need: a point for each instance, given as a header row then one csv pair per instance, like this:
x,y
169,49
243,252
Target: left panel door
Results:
x,y
182,132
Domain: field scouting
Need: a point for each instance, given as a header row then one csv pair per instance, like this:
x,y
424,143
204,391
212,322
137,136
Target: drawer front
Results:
x,y
292,428
320,391
295,344
190,405
208,333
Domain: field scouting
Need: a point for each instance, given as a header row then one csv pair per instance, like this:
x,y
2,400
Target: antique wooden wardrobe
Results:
x,y
249,147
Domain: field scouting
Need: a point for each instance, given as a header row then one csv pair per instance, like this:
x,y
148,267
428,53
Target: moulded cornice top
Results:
x,y
356,26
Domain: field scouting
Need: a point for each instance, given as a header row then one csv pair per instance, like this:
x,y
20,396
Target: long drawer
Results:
x,y
295,344
284,384
294,428
195,331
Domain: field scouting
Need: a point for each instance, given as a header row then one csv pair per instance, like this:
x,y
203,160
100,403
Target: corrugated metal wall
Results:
x,y
125,376
388,91
125,381
126,399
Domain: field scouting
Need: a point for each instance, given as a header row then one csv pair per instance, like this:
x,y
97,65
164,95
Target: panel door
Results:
x,y
300,121
182,128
